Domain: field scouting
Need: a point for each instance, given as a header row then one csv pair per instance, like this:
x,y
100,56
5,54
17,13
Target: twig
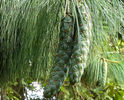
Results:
x,y
107,60
73,88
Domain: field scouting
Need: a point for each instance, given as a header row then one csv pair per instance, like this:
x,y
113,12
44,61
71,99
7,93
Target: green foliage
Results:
x,y
81,91
94,70
107,15
29,31
29,38
11,94
116,70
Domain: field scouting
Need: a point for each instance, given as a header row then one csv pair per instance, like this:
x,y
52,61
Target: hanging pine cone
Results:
x,y
62,58
103,77
81,45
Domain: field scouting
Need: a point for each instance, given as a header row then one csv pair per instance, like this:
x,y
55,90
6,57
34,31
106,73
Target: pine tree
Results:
x,y
30,38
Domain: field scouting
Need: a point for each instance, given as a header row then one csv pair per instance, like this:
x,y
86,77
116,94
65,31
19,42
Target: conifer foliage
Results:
x,y
35,38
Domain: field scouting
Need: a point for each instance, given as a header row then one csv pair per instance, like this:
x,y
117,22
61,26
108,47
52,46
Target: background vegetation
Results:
x,y
29,38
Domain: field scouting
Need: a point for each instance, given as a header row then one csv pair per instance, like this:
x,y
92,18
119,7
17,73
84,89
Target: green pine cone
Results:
x,y
105,68
81,44
102,79
60,70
